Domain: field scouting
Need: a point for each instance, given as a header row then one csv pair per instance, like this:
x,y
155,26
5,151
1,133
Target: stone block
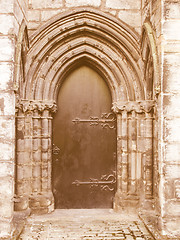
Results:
x,y
34,15
172,130
27,171
6,169
7,104
21,203
8,151
46,15
172,47
6,73
95,3
7,128
45,145
171,108
6,208
119,4
133,18
5,229
172,208
36,172
37,156
33,25
172,153
20,172
171,73
172,171
169,189
34,4
7,6
6,49
172,9
171,30
171,227
7,24
7,187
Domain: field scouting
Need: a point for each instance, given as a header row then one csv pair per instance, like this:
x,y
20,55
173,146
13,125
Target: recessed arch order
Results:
x,y
90,36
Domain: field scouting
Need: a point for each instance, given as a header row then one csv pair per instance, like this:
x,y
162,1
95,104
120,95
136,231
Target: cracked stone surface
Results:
x,y
85,224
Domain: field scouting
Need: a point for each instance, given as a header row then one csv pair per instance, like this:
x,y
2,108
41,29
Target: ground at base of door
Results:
x,y
89,224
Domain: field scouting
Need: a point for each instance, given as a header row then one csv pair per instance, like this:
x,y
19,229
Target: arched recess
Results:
x,y
153,88
21,50
112,49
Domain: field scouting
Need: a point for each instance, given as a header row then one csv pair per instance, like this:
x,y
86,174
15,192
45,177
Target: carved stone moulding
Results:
x,y
33,105
142,106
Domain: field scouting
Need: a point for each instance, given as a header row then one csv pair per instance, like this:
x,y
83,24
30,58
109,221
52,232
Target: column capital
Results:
x,y
140,106
32,105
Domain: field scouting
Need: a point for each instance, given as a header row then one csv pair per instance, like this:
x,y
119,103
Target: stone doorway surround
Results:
x,y
112,48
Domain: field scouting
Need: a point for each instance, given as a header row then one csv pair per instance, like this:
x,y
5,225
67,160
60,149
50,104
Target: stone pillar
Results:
x,y
37,152
134,144
23,164
7,117
148,156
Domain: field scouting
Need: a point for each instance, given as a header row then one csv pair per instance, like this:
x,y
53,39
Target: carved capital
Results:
x,y
32,105
137,106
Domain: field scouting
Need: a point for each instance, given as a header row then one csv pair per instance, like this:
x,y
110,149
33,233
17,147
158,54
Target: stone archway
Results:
x,y
113,49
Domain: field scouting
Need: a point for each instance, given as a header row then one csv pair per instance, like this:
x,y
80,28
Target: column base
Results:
x,y
41,203
21,203
147,204
125,203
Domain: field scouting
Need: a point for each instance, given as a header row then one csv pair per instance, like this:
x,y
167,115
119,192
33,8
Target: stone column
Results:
x,y
23,163
134,140
37,151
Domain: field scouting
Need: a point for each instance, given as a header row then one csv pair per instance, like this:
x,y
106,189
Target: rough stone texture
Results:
x,y
157,138
118,4
45,4
94,3
85,224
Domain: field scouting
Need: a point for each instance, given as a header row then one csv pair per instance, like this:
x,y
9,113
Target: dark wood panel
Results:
x,y
84,143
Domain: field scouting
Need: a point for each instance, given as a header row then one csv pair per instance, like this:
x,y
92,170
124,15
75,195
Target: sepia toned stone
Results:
x,y
134,46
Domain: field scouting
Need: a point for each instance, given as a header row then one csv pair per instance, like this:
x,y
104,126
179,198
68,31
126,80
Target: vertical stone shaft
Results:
x,y
36,164
124,144
21,198
132,153
49,172
119,157
45,150
28,152
149,156
139,146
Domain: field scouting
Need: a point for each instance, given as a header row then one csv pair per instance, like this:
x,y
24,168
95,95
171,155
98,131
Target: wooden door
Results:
x,y
84,143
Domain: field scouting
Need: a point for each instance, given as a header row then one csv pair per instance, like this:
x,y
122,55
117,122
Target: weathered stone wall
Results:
x,y
170,168
164,16
165,19
128,11
7,119
11,14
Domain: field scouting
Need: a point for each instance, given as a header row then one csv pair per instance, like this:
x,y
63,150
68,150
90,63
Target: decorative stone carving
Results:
x,y
32,105
137,106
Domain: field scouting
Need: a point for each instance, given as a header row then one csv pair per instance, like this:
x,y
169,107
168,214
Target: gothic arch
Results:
x,y
22,47
89,32
112,48
151,61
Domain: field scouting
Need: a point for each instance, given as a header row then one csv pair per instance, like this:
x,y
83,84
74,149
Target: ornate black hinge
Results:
x,y
107,120
106,182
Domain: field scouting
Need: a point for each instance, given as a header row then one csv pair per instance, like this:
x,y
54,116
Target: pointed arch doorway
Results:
x,y
84,142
